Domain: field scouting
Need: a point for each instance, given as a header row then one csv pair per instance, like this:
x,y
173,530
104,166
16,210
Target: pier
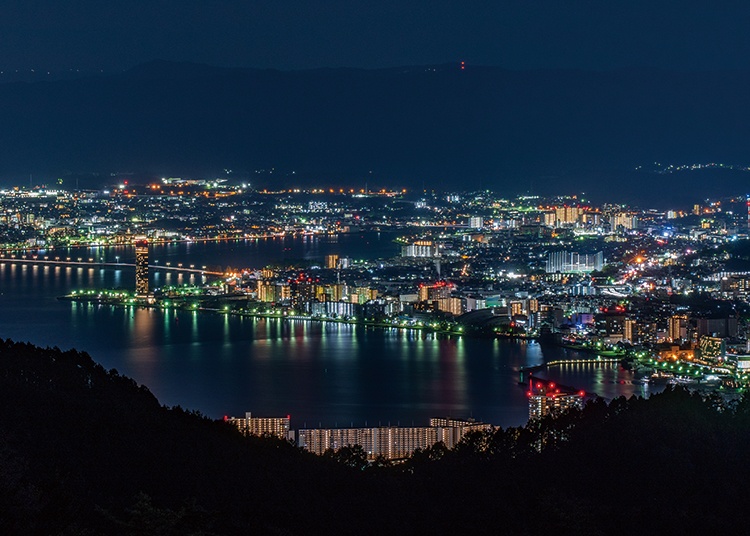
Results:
x,y
598,361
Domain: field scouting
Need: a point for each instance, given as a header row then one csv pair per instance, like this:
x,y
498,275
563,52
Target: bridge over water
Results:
x,y
93,263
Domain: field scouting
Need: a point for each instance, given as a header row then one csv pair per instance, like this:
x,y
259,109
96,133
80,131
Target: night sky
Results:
x,y
302,34
558,96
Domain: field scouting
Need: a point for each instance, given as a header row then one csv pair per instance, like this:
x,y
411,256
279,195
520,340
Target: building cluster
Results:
x,y
610,277
548,399
384,442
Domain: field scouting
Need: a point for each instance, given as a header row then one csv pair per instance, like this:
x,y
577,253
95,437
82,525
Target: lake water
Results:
x,y
319,373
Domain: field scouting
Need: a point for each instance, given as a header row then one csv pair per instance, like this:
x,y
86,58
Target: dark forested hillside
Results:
x,y
87,451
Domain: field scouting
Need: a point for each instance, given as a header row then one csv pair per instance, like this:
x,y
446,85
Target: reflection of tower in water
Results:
x,y
141,267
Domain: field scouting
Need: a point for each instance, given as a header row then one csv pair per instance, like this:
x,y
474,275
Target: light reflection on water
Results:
x,y
317,372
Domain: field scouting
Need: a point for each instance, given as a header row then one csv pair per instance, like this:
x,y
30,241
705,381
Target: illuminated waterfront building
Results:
x,y
141,267
452,305
389,442
364,294
259,426
450,431
438,291
332,261
266,291
546,398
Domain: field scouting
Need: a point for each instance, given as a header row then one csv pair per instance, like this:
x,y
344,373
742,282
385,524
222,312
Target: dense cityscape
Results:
x,y
662,291
374,268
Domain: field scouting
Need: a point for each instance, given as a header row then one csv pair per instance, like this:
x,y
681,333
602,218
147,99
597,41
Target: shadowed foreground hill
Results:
x,y
84,450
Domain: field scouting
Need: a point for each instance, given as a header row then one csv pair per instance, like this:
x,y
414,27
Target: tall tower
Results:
x,y
748,212
141,267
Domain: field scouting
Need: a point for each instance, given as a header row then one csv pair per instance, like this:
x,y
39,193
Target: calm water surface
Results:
x,y
319,373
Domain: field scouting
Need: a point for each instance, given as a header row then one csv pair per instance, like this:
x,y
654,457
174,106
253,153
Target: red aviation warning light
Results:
x,y
463,65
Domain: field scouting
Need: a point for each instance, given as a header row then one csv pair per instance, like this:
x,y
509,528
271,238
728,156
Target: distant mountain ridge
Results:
x,y
516,131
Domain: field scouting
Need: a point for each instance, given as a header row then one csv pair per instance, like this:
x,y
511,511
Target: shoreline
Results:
x,y
118,300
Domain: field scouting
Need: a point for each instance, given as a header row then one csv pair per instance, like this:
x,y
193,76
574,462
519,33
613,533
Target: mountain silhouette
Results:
x,y
544,131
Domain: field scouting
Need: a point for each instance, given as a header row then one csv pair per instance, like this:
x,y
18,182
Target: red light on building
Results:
x,y
226,418
582,393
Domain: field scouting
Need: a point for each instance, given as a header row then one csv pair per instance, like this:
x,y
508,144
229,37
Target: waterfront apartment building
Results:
x,y
389,442
274,426
452,305
547,398
438,291
630,330
270,291
452,430
541,405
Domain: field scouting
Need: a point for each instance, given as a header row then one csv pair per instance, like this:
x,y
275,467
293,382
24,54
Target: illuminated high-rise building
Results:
x,y
629,328
266,291
332,261
677,328
141,267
